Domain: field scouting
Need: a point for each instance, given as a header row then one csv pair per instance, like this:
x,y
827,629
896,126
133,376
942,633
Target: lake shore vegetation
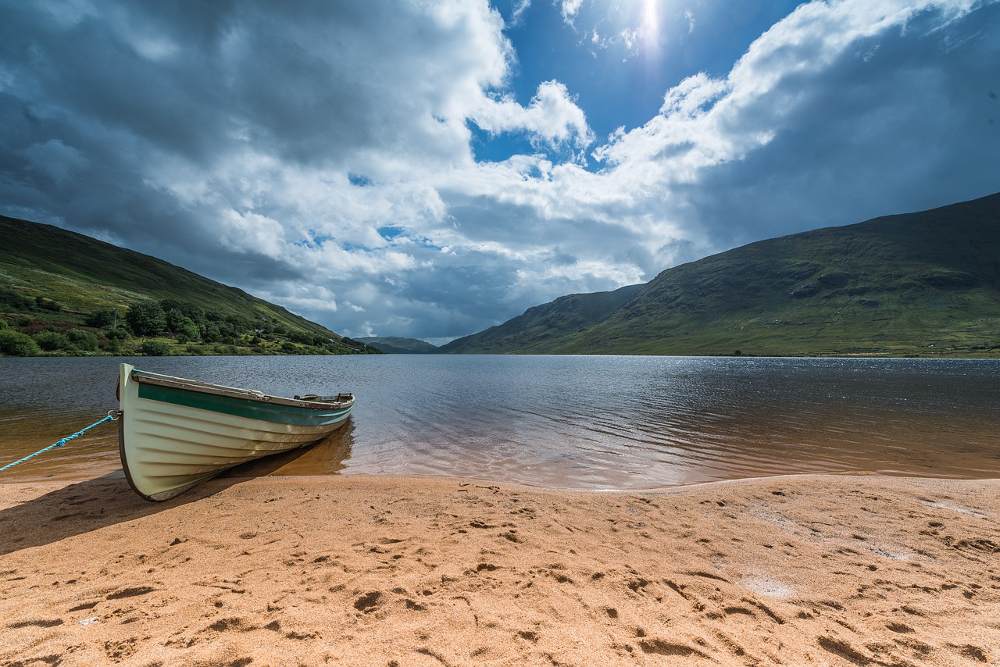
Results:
x,y
169,327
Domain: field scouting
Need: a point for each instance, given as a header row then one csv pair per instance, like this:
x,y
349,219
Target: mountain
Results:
x,y
918,283
398,345
53,281
540,327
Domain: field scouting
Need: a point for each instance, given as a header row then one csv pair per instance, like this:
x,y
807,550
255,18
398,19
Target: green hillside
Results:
x,y
922,283
54,281
541,327
399,345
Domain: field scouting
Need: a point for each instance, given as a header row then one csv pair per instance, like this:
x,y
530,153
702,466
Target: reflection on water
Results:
x,y
325,457
577,422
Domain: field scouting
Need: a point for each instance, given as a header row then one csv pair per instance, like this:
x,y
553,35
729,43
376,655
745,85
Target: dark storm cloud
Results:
x,y
187,130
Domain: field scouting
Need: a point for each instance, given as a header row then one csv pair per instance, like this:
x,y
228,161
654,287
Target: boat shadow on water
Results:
x,y
90,505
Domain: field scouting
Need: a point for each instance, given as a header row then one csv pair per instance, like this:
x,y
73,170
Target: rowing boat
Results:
x,y
174,433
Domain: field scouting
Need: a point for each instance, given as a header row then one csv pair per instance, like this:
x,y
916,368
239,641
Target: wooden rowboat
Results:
x,y
174,433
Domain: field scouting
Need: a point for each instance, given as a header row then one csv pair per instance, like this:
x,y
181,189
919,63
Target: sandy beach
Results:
x,y
442,571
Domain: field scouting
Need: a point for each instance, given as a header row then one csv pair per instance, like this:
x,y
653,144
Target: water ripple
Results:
x,y
571,422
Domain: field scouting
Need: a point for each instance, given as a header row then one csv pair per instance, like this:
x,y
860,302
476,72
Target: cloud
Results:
x,y
520,6
54,159
569,9
551,117
814,100
321,155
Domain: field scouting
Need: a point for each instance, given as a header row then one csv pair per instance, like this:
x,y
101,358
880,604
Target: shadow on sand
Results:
x,y
93,504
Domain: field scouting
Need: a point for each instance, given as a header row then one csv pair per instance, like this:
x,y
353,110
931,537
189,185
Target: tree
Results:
x,y
146,318
210,333
101,319
175,319
196,313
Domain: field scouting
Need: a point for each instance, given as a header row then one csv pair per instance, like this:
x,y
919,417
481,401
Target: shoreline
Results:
x,y
358,569
236,475
977,355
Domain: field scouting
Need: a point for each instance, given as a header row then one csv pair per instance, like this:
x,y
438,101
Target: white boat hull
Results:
x,y
174,434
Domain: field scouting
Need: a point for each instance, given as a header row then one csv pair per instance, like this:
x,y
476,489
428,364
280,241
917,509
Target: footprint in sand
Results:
x,y
37,623
663,647
130,592
368,602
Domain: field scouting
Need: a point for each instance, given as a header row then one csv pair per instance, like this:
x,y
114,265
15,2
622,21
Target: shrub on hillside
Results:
x,y
155,348
120,333
47,304
52,340
82,340
13,302
16,344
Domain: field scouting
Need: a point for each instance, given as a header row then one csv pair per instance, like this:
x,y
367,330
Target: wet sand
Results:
x,y
429,571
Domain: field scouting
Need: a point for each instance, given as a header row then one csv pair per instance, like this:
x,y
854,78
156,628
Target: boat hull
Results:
x,y
172,436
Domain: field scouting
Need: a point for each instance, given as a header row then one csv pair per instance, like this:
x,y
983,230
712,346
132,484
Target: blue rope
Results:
x,y
58,444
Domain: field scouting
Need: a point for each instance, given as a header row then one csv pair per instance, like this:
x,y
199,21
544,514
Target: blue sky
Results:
x,y
430,169
618,82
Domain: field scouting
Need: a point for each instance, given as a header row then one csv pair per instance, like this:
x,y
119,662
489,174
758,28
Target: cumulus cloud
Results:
x,y
551,117
815,80
321,155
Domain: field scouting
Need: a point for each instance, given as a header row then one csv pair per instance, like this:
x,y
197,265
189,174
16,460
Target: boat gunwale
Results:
x,y
145,377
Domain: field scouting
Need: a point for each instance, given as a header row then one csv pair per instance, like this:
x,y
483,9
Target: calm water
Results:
x,y
575,422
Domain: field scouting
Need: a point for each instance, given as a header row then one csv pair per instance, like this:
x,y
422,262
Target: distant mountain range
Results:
x,y
919,283
539,327
399,345
57,285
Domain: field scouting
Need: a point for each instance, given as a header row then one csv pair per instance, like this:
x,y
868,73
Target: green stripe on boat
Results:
x,y
240,407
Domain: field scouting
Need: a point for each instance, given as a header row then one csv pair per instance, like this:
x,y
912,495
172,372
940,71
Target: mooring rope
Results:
x,y
111,417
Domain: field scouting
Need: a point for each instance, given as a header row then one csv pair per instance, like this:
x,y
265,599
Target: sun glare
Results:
x,y
650,17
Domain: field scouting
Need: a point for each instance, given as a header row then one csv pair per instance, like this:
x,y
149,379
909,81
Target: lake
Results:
x,y
579,422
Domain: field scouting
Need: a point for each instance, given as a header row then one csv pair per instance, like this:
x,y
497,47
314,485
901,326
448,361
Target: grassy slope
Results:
x,y
85,274
894,285
399,345
541,326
